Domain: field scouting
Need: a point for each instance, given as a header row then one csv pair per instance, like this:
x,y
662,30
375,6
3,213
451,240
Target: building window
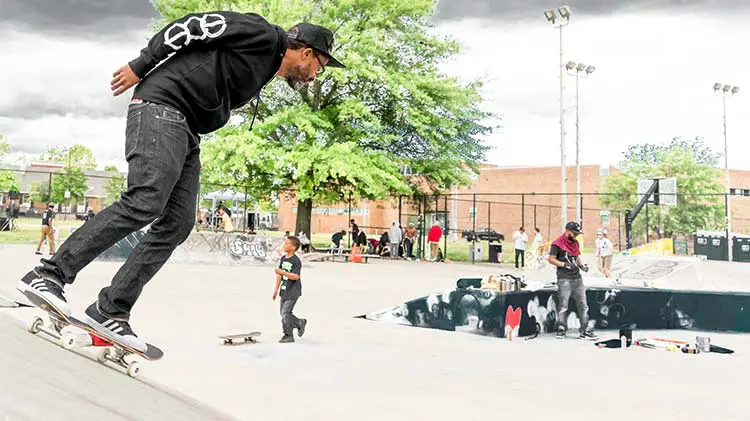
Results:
x,y
603,171
733,192
746,192
605,217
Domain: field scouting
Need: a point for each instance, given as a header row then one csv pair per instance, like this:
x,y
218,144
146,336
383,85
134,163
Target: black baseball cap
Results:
x,y
316,37
574,227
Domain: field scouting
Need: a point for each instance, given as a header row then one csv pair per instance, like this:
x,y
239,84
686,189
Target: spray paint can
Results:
x,y
703,343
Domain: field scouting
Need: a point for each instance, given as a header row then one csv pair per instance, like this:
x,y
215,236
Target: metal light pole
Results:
x,y
560,21
587,70
724,90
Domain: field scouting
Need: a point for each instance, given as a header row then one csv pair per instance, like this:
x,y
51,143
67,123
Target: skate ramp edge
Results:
x,y
32,367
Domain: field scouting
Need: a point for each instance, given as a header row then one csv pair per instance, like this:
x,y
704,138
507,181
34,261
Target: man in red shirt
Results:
x,y
433,239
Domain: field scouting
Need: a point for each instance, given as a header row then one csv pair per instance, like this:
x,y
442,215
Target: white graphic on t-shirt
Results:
x,y
180,34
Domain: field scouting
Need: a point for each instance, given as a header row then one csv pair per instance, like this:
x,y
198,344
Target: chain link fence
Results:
x,y
462,217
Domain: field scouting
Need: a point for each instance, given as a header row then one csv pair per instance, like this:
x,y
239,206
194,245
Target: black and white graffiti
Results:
x,y
194,28
483,312
262,249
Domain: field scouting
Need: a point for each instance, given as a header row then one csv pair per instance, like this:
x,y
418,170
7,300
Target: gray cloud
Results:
x,y
32,107
76,17
521,9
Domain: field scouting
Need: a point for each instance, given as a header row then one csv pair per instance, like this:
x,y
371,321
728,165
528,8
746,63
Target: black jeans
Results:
x,y
288,320
521,254
163,183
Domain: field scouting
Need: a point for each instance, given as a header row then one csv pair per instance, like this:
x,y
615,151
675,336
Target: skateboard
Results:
x,y
113,350
245,337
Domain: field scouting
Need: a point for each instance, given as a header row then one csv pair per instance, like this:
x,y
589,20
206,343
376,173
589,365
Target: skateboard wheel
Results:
x,y
35,325
134,369
103,355
69,340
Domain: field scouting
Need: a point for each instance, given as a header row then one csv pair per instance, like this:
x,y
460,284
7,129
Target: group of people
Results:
x,y
397,241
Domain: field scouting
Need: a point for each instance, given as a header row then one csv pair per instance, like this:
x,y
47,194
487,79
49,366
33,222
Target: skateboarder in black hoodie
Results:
x,y
208,64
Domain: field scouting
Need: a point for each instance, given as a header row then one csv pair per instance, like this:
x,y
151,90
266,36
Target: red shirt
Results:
x,y
433,236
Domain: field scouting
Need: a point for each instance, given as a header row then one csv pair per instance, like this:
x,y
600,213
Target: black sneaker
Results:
x,y
286,339
44,290
588,334
117,329
301,327
560,334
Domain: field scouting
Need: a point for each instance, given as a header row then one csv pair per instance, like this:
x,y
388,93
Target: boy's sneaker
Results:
x,y
286,339
588,334
301,327
560,334
47,289
117,329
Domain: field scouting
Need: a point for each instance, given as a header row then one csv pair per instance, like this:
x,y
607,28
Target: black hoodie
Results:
x,y
217,61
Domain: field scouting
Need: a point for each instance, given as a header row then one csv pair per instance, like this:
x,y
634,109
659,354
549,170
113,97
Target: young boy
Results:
x,y
288,280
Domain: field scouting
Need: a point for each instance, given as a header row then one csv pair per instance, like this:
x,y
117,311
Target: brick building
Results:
x,y
42,173
503,199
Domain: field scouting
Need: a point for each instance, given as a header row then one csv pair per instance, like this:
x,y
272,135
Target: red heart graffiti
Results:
x,y
512,322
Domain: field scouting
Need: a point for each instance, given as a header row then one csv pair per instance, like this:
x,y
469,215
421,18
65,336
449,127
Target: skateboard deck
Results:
x,y
243,338
113,350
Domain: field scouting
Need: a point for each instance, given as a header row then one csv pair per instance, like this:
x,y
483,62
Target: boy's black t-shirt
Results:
x,y
564,256
290,289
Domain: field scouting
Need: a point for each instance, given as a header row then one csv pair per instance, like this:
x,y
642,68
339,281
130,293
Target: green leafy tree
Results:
x,y
698,183
8,180
72,180
40,192
76,156
115,185
351,132
648,153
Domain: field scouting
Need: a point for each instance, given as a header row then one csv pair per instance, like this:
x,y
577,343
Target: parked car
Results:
x,y
483,234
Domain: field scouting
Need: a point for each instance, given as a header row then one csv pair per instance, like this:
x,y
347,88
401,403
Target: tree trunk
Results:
x,y
304,217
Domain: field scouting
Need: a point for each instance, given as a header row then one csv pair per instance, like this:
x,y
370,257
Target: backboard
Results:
x,y
667,190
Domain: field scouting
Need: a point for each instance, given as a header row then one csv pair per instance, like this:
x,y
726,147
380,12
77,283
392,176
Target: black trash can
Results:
x,y
713,245
741,249
496,253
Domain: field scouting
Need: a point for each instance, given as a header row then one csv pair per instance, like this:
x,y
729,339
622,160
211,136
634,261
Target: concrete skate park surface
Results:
x,y
346,368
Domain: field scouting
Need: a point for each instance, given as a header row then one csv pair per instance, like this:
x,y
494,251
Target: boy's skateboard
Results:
x,y
114,350
245,337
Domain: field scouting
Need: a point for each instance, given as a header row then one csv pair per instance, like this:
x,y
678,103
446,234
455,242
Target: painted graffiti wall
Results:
x,y
483,311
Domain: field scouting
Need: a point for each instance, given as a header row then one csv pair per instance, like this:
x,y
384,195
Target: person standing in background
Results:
x,y
48,231
604,252
395,238
536,244
520,238
433,239
354,231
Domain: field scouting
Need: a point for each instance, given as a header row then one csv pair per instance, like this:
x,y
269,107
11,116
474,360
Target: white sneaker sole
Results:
x,y
130,341
57,304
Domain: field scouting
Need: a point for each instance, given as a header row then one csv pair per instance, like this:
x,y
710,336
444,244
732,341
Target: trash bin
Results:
x,y
712,244
741,249
475,252
496,253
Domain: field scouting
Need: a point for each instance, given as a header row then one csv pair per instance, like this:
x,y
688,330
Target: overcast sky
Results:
x,y
656,62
